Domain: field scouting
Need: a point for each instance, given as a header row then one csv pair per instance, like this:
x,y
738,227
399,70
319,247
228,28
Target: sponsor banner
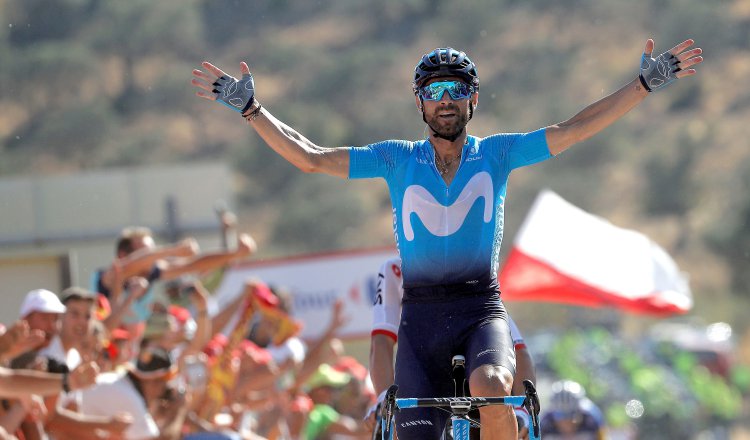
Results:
x,y
563,254
315,282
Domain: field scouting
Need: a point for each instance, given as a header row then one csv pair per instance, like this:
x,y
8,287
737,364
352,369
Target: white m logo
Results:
x,y
443,220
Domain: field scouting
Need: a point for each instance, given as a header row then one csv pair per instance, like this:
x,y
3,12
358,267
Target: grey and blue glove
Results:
x,y
237,95
658,72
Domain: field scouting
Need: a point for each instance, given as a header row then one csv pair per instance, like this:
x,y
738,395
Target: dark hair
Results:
x,y
76,293
151,359
125,241
55,366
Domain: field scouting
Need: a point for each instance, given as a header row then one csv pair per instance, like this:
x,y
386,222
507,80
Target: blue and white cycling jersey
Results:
x,y
449,234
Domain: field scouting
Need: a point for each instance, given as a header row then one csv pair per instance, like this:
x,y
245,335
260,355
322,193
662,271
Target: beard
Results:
x,y
449,131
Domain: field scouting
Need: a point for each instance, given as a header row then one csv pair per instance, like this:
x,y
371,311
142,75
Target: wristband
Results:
x,y
253,114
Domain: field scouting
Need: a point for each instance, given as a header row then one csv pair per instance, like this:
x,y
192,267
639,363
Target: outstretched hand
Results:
x,y
84,375
671,65
216,85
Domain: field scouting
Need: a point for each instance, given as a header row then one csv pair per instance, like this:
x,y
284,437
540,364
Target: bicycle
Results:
x,y
459,406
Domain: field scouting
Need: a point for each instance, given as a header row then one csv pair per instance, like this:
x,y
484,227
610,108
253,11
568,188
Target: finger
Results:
x,y
213,69
691,62
211,97
689,54
681,47
203,75
202,85
34,339
684,73
20,328
244,68
649,49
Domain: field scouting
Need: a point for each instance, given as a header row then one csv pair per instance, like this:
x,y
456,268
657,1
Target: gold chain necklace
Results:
x,y
443,165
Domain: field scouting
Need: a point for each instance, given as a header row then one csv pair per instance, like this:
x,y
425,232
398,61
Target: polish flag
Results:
x,y
563,254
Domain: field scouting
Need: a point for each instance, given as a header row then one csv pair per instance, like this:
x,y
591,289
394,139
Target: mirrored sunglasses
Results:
x,y
456,89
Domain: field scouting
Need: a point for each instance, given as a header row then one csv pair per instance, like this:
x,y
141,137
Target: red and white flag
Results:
x,y
563,254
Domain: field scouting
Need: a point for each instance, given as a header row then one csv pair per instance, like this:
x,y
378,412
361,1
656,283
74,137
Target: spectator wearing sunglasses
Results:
x,y
448,195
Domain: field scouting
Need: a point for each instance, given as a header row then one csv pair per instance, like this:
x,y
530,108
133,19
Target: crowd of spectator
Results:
x,y
114,360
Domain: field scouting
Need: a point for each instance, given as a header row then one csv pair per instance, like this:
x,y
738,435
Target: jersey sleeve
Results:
x,y
528,149
376,160
386,312
515,334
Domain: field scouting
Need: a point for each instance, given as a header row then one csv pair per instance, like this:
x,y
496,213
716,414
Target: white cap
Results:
x,y
41,300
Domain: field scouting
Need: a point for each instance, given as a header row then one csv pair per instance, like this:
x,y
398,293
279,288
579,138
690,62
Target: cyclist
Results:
x,y
448,194
386,315
571,415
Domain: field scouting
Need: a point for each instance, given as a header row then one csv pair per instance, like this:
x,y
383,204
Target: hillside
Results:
x,y
89,84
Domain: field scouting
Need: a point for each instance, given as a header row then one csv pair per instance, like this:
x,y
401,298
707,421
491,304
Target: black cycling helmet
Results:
x,y
445,61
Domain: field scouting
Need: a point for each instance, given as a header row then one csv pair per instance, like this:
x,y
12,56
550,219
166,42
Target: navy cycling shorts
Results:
x,y
430,334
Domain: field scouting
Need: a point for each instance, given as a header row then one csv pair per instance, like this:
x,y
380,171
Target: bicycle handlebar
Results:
x,y
473,402
459,405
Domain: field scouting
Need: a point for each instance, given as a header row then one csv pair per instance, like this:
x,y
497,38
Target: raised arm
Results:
x,y
655,73
239,95
18,383
209,261
143,259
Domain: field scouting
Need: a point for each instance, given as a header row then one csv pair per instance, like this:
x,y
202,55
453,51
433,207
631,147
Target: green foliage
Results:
x,y
36,21
47,75
76,131
657,376
670,179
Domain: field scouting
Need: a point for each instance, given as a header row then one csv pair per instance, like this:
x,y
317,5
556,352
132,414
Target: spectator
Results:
x,y
42,310
59,354
116,350
571,415
324,420
357,395
79,306
158,410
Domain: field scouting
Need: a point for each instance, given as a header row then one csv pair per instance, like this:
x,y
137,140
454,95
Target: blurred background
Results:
x,y
100,129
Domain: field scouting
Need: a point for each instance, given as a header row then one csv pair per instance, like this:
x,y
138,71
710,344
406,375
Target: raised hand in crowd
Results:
x,y
321,351
198,296
19,339
83,376
135,288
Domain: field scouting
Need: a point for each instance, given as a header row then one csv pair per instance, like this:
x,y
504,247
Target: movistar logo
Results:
x,y
442,220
